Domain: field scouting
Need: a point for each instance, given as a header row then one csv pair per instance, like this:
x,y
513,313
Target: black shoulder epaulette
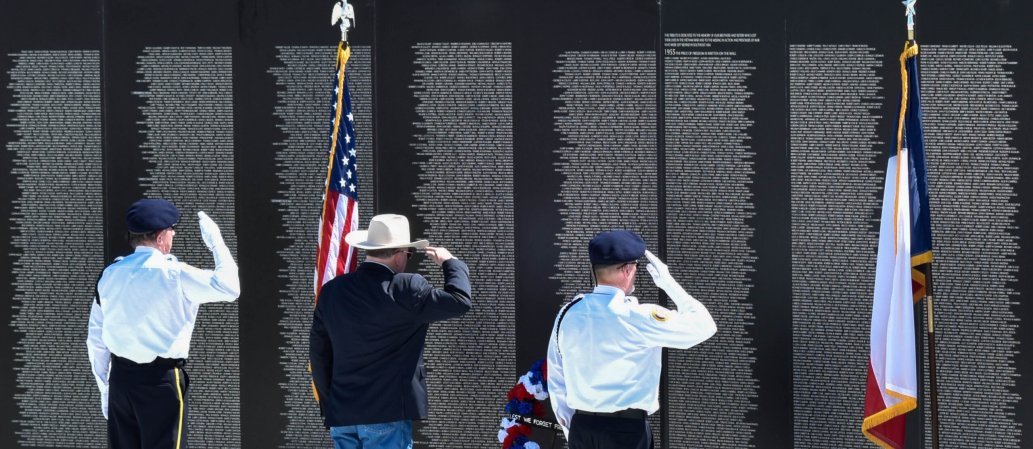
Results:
x,y
96,285
96,288
563,313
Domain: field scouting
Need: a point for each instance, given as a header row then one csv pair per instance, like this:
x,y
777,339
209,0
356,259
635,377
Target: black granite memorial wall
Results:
x,y
741,139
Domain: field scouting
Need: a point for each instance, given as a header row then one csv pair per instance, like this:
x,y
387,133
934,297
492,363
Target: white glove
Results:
x,y
658,270
209,231
213,240
663,279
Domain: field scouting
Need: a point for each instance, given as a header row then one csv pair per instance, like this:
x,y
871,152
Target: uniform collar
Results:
x,y
608,290
147,249
614,298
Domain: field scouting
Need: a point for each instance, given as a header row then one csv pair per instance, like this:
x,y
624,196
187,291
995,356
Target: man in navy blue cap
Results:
x,y
605,349
141,322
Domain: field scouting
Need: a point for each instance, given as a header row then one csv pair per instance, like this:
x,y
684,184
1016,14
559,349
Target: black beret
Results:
x,y
151,215
617,246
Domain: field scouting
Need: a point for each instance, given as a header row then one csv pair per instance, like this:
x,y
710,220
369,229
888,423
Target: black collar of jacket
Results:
x,y
374,266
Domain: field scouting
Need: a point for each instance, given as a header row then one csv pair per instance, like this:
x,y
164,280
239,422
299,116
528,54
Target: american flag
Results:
x,y
340,199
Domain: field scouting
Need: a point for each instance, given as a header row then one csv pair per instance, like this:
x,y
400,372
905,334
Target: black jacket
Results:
x,y
366,343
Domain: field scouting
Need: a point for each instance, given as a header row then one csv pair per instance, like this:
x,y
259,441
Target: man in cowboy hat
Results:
x,y
366,343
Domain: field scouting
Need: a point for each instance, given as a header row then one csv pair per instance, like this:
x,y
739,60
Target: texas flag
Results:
x,y
904,243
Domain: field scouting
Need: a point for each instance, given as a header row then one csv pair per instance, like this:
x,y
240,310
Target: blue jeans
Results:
x,y
390,435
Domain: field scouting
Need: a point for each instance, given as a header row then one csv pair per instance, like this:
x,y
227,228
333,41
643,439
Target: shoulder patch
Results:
x,y
659,314
655,312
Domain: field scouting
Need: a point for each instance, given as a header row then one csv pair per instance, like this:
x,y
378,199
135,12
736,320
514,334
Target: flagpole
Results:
x,y
342,15
927,268
934,409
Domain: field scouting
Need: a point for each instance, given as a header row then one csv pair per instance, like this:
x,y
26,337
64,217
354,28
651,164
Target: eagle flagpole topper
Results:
x,y
344,15
909,10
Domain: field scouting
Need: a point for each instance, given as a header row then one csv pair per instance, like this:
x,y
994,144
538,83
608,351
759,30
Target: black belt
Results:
x,y
158,361
631,413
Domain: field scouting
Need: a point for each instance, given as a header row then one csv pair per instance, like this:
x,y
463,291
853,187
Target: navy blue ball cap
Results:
x,y
151,215
614,247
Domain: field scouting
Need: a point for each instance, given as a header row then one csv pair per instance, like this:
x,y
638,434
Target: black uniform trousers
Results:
x,y
610,431
147,404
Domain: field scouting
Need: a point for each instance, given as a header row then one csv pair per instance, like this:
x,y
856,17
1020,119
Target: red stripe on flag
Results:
x,y
344,262
353,224
353,254
333,254
891,432
326,231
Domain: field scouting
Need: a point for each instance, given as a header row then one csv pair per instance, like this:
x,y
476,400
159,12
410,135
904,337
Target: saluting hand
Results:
x,y
659,271
209,231
437,254
663,279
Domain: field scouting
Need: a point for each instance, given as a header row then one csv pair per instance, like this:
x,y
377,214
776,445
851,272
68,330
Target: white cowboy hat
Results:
x,y
385,231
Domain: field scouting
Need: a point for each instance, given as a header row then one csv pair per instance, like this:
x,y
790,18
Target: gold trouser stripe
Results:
x,y
179,391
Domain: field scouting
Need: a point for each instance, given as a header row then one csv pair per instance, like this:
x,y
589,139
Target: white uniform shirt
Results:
x,y
608,355
148,305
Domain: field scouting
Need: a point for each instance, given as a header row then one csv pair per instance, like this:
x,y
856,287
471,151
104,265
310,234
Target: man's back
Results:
x,y
367,341
597,376
150,301
141,292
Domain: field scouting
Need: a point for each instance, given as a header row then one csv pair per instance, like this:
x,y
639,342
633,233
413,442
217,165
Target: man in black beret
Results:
x,y
141,322
605,352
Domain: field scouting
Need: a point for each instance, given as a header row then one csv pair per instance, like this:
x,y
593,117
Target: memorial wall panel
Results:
x,y
464,151
969,107
725,185
51,236
834,96
57,163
